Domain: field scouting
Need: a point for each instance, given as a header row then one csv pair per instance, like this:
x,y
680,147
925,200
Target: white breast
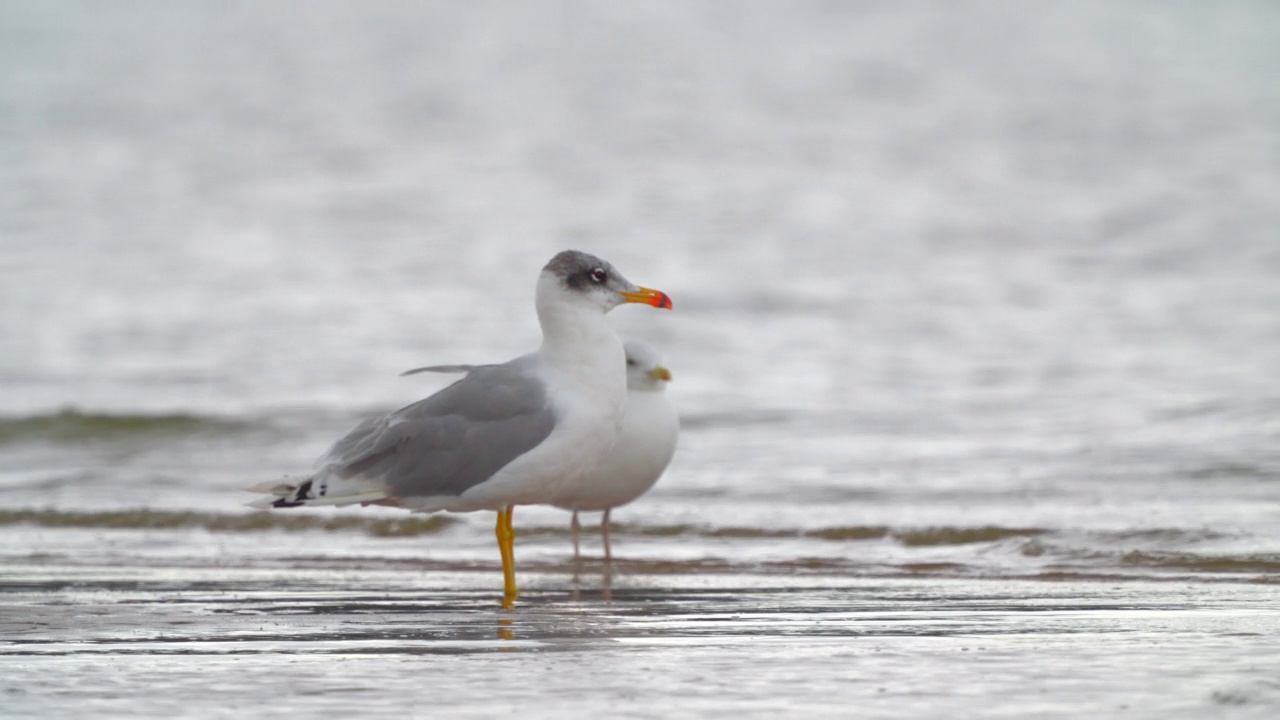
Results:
x,y
646,444
587,390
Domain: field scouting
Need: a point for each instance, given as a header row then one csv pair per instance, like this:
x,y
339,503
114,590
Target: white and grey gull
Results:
x,y
645,446
528,431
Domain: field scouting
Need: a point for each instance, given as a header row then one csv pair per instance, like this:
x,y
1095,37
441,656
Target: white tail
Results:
x,y
284,494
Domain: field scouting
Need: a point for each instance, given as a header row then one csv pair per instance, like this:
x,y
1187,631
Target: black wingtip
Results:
x,y
297,498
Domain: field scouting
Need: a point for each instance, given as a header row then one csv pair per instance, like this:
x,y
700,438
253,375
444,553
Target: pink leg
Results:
x,y
576,527
604,532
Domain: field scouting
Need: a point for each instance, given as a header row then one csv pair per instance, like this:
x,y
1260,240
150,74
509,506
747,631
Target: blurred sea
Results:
x,y
976,343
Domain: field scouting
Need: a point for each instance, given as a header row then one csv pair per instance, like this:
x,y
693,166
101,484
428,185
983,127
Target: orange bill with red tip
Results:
x,y
648,296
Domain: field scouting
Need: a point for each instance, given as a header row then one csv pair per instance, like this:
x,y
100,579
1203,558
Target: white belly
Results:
x,y
646,443
589,404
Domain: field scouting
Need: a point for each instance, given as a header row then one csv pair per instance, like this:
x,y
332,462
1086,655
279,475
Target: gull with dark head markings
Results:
x,y
645,446
525,432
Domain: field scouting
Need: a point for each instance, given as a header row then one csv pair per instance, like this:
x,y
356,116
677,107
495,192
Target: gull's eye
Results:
x,y
599,275
631,362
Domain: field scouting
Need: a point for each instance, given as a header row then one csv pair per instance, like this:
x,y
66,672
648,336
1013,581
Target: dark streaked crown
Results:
x,y
574,268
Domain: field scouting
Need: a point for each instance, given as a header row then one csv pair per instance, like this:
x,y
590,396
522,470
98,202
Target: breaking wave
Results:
x,y
73,426
143,519
1033,553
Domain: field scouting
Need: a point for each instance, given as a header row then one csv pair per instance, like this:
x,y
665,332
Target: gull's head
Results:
x,y
586,280
645,371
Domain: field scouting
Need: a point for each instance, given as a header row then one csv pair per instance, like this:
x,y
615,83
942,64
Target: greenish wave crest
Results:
x,y
147,519
70,426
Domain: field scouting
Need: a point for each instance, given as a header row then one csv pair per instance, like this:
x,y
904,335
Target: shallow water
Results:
x,y
975,344
332,642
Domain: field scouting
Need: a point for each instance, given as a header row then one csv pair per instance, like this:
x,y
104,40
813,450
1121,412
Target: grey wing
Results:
x,y
443,369
524,362
451,441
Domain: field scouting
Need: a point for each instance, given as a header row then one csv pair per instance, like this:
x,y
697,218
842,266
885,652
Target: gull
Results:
x,y
525,432
645,446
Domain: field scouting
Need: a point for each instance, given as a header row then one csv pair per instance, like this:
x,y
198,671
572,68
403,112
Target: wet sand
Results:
x,y
209,641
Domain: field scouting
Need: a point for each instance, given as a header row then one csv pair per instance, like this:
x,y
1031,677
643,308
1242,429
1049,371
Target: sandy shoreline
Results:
x,y
336,642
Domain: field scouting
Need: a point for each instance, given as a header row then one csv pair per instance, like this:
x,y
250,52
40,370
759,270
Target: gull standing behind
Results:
x,y
646,443
525,432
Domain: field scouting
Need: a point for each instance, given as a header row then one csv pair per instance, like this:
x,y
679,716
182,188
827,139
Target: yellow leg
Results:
x,y
506,545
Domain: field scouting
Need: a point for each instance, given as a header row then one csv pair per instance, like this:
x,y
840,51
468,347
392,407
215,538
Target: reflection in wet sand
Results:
x,y
816,642
585,570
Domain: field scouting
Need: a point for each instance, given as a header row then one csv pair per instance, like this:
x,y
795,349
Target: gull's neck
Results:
x,y
576,335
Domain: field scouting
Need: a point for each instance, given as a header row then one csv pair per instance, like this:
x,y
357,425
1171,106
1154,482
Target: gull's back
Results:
x,y
447,443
